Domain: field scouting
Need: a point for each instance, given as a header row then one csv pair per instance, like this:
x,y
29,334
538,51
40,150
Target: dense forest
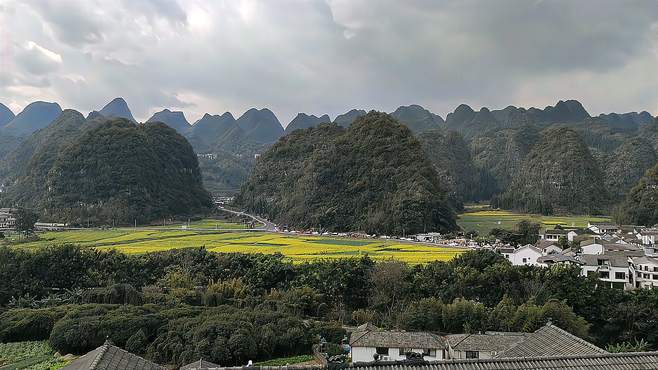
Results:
x,y
104,171
180,305
372,177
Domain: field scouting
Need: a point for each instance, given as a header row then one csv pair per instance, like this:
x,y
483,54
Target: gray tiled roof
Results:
x,y
614,260
550,340
491,342
601,361
392,339
200,365
109,357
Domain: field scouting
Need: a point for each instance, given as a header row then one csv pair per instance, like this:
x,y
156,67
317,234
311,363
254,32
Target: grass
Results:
x,y
286,361
297,247
483,221
35,355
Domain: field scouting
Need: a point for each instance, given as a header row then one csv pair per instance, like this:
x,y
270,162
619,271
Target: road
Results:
x,y
266,225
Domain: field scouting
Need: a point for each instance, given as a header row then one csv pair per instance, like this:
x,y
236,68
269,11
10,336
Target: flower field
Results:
x,y
298,247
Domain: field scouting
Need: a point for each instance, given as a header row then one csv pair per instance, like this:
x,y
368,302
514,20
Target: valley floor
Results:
x,y
297,247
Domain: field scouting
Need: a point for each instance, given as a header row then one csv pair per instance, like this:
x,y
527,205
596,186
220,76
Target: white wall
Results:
x,y
529,254
366,354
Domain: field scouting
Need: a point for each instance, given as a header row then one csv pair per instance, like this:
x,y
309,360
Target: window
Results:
x,y
620,275
525,260
604,274
472,354
382,351
655,269
590,273
646,276
655,277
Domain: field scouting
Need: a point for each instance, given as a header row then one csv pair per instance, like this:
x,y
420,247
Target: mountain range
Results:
x,y
490,147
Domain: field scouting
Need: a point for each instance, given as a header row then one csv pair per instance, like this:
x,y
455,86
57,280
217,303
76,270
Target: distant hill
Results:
x,y
372,177
131,172
260,126
640,206
34,117
346,119
303,120
175,120
559,175
117,108
6,115
417,118
207,131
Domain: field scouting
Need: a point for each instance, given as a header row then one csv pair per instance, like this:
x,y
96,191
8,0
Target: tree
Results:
x,y
25,220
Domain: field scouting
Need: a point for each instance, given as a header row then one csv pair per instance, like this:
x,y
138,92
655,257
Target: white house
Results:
x,y
487,345
369,344
602,228
555,234
645,271
429,237
613,269
648,236
525,255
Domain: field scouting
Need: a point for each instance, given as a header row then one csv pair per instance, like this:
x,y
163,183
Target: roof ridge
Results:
x,y
99,356
577,338
468,335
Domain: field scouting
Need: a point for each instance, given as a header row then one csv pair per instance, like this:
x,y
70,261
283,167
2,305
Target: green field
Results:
x,y
28,355
297,247
484,220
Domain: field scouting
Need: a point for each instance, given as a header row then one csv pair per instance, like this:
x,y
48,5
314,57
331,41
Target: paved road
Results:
x,y
266,225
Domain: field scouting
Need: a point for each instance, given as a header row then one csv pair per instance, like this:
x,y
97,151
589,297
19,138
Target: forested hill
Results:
x,y
372,177
105,171
559,175
641,204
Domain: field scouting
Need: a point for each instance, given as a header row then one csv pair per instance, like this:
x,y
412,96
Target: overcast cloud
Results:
x,y
328,56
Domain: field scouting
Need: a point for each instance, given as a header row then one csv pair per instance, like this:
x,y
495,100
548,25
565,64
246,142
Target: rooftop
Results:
x,y
200,365
382,338
599,361
550,340
490,342
110,357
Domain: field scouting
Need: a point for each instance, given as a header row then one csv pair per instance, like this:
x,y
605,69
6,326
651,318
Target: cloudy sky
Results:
x,y
328,56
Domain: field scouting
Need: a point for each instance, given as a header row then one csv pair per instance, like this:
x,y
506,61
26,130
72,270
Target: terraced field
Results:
x,y
484,220
297,247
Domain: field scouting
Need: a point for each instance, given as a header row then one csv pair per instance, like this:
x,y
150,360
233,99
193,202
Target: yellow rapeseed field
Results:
x,y
297,247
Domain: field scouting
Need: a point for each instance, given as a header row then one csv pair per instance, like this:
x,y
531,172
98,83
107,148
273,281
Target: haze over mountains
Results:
x,y
479,154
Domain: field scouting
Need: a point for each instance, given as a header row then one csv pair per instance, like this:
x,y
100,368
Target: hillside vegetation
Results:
x,y
559,175
105,171
373,177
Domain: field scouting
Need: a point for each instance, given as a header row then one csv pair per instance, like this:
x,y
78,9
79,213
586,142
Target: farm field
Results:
x,y
297,247
483,221
35,355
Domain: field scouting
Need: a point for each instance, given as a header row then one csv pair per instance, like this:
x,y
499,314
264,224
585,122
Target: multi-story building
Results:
x,y
645,272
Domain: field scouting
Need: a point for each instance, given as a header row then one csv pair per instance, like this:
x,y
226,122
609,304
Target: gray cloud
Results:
x,y
329,56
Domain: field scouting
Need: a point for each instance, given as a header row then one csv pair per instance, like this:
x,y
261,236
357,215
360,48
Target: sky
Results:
x,y
328,56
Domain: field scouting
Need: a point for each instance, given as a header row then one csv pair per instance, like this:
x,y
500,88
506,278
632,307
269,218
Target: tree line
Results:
x,y
181,305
